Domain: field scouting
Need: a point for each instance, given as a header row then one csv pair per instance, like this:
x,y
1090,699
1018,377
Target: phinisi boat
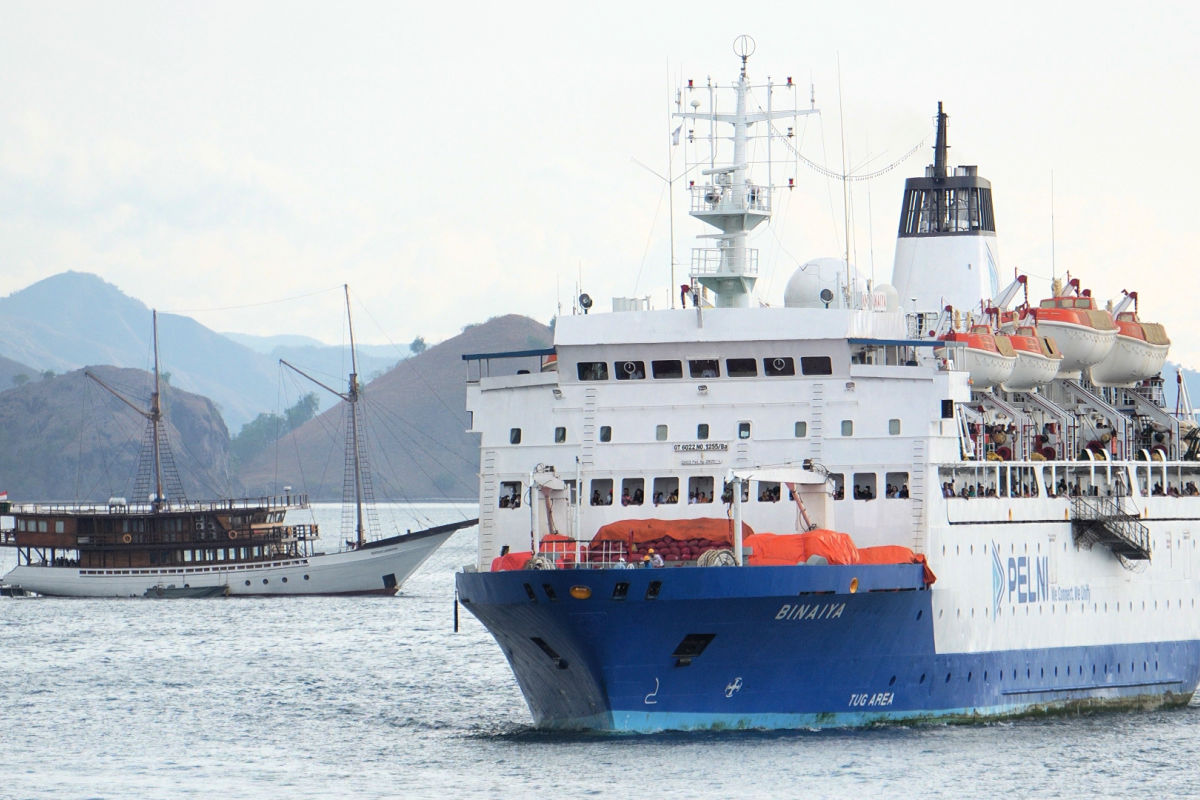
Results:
x,y
850,532
169,546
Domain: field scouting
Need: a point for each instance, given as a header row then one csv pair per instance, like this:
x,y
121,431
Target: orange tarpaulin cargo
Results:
x,y
895,554
775,549
637,531
511,561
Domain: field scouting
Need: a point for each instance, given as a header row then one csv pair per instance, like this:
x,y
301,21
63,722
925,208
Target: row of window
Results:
x,y
667,369
661,432
701,489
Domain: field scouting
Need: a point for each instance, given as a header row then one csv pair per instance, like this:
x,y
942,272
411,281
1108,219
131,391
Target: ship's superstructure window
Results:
x,y
741,367
743,430
560,435
700,489
727,492
592,370
667,369
816,365
666,490
510,494
768,491
606,433
801,429
702,430
837,482
779,366
864,486
633,492
58,526
893,427
514,436
704,367
660,433
629,370
847,427
897,485
602,492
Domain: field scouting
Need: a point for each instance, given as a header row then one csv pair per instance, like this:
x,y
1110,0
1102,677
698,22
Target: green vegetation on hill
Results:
x,y
265,429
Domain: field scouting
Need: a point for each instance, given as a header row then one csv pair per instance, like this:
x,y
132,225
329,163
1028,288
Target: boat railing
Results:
x,y
731,199
165,507
714,260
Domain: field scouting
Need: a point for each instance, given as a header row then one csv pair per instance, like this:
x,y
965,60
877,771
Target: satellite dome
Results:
x,y
819,284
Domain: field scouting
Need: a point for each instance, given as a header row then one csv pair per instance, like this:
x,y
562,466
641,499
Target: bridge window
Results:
x,y
667,369
741,367
629,370
592,370
704,368
816,365
779,366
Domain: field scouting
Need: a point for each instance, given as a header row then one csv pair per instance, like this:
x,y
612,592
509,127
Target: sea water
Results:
x,y
380,697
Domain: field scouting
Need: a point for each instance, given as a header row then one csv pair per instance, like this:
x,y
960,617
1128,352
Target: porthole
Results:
x,y
265,581
305,577
284,580
247,583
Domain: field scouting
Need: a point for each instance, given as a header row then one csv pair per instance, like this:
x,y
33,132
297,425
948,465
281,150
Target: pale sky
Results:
x,y
237,162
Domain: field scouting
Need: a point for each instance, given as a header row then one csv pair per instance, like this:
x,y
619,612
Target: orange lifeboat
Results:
x,y
1138,353
988,358
1038,359
1084,334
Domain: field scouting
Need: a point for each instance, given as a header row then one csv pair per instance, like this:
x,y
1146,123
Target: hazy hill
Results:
x,y
73,319
68,439
10,370
417,423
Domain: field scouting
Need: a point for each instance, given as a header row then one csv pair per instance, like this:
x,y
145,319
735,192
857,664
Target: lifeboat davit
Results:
x,y
987,358
1084,334
1138,353
1038,359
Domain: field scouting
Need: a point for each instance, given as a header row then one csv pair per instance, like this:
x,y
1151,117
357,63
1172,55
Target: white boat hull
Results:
x,y
986,368
1130,361
370,570
1081,345
1031,370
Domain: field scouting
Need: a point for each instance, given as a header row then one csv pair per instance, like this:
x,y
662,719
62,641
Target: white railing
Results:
x,y
710,260
731,199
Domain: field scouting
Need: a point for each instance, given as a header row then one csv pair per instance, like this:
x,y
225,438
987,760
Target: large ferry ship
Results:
x,y
913,501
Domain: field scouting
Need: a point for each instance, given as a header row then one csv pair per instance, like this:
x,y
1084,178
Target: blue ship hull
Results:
x,y
783,647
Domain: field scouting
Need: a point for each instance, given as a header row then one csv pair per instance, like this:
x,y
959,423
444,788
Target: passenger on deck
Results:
x,y
596,497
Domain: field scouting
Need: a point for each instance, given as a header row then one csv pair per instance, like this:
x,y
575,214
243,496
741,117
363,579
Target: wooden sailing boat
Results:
x,y
229,546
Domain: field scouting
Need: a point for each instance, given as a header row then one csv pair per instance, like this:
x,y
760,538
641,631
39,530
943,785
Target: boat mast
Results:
x,y
729,201
352,398
155,416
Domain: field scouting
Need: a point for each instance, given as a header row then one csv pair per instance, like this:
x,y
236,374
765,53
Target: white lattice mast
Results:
x,y
730,201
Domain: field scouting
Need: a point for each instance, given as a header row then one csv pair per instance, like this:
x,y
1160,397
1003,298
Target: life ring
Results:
x,y
233,534
126,538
